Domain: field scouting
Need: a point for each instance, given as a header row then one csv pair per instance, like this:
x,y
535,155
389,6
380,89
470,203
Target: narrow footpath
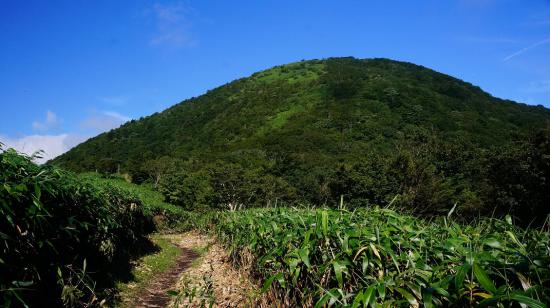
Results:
x,y
202,276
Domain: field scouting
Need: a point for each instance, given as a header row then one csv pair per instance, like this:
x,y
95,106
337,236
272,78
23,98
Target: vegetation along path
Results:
x,y
201,276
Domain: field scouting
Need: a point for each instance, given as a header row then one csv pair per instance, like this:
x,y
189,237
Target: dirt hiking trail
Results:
x,y
202,276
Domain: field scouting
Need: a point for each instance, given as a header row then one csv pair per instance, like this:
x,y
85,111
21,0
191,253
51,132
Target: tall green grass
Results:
x,y
377,257
61,238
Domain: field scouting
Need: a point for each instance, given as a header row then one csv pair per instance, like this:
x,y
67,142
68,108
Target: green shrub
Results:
x,y
166,217
61,237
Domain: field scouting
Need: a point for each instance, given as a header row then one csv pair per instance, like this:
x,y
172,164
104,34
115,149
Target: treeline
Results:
x,y
429,176
63,240
422,174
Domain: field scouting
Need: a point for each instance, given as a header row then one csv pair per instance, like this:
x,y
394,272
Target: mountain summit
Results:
x,y
334,108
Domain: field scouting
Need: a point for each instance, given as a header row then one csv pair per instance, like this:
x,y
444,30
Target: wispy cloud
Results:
x,y
51,121
477,3
539,86
539,19
545,22
173,25
114,100
527,100
526,49
52,145
490,40
103,121
117,115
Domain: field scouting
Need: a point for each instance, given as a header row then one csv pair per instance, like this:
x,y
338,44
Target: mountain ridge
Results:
x,y
464,97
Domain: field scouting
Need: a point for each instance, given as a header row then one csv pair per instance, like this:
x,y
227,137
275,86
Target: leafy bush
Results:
x,y
373,257
166,216
61,237
222,185
191,190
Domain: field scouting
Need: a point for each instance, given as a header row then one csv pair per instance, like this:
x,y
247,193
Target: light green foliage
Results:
x,y
282,117
303,71
376,256
151,198
166,216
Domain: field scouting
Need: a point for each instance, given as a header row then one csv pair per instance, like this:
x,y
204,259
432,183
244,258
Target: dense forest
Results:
x,y
359,131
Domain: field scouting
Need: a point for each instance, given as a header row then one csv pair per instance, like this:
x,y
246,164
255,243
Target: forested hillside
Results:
x,y
372,131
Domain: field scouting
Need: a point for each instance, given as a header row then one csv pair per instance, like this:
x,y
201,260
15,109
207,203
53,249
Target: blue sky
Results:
x,y
72,69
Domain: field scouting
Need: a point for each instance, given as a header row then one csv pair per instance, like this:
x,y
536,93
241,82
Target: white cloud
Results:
x,y
51,121
173,25
526,100
52,145
104,121
55,145
523,50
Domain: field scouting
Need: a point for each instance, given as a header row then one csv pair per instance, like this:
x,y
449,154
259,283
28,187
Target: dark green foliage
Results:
x,y
368,130
519,178
191,190
223,185
343,78
429,176
60,236
422,174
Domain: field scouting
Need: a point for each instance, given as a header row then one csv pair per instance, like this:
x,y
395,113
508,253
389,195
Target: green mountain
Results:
x,y
312,123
